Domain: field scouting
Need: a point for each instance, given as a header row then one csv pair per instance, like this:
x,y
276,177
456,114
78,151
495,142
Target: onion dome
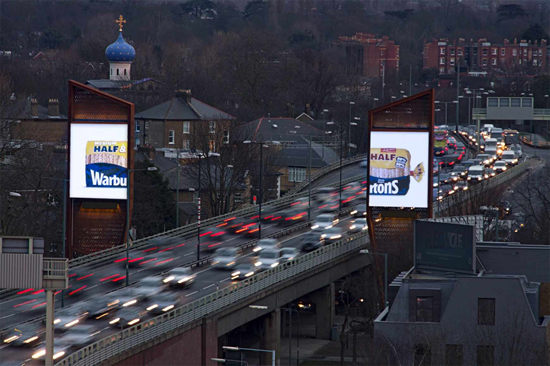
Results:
x,y
120,51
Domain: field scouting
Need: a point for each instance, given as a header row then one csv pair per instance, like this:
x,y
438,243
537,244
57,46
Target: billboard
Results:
x,y
99,161
397,175
443,246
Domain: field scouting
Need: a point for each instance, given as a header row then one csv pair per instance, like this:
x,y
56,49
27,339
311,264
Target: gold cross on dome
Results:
x,y
120,21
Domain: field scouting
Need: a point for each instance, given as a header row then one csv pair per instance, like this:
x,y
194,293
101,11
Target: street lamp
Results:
x,y
366,251
237,349
200,155
227,196
223,360
149,169
261,146
15,194
546,96
349,129
374,100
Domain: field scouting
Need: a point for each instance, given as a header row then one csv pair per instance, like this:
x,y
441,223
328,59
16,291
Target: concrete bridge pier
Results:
x,y
271,337
324,311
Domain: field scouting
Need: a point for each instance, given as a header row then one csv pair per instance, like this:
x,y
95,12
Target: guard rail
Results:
x,y
120,342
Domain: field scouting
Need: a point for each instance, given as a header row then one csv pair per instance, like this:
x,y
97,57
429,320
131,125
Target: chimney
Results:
x,y
290,109
515,41
184,94
506,41
34,108
308,109
53,108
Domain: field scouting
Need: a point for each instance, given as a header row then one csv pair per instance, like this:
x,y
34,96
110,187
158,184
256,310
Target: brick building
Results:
x,y
367,55
510,59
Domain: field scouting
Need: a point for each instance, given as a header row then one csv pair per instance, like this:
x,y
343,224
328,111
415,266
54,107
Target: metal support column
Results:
x,y
50,304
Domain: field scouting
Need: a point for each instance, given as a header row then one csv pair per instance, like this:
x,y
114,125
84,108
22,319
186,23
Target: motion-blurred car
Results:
x,y
364,163
500,166
359,211
150,287
311,241
243,271
60,349
23,335
79,336
268,258
325,221
213,232
288,254
263,244
292,216
162,303
102,305
127,317
180,277
225,258
332,235
68,317
358,225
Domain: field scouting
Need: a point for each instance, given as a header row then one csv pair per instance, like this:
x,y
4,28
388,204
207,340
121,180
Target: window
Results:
x,y
486,310
534,62
138,127
226,137
185,145
514,52
492,102
212,126
525,52
442,61
452,61
117,72
296,174
422,355
485,355
186,127
424,308
212,145
540,51
452,51
124,72
494,61
441,69
503,51
504,102
516,102
454,355
442,51
238,197
459,51
526,102
494,51
484,62
171,137
484,52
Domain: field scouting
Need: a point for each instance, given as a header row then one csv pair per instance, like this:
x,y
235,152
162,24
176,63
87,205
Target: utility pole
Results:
x,y
383,80
309,182
178,190
410,80
457,92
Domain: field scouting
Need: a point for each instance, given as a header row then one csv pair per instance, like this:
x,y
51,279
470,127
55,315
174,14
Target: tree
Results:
x,y
535,32
399,14
154,203
200,9
510,12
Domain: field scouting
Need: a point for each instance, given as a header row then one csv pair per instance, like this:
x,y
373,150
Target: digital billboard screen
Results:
x,y
99,161
444,246
398,169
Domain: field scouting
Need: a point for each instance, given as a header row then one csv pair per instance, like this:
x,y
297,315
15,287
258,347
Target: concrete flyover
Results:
x,y
193,334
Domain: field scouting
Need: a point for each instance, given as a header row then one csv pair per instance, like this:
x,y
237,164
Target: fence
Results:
x,y
118,343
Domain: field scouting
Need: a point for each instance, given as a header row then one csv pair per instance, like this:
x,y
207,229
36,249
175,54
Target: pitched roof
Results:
x,y
298,155
279,129
177,109
118,84
21,109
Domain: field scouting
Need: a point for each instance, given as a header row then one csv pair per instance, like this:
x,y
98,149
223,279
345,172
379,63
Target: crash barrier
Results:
x,y
325,171
118,343
475,190
537,144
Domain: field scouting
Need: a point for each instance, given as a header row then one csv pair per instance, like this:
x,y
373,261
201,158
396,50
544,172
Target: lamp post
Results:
x,y
374,100
178,189
366,251
290,310
227,195
349,134
237,349
200,155
349,128
149,169
446,103
324,132
224,360
261,146
547,130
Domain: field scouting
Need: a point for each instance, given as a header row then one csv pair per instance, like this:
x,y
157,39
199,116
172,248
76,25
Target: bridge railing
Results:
x,y
118,343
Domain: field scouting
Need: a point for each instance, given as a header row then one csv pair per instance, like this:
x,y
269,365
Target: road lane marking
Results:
x,y
204,288
7,316
185,255
225,279
192,293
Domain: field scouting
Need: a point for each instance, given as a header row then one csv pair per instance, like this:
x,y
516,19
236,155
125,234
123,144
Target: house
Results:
x,y
185,123
301,145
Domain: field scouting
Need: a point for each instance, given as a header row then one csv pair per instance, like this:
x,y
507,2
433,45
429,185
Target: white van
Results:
x,y
476,173
491,147
509,157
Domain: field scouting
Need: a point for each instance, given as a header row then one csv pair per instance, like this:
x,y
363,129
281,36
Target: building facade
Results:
x,y
483,57
368,55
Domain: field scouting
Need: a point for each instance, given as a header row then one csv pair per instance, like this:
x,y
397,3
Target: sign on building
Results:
x,y
445,247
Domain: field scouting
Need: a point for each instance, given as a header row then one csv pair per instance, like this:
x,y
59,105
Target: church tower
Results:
x,y
120,55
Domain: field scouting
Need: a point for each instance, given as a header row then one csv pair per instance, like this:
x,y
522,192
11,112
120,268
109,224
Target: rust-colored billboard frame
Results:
x,y
126,112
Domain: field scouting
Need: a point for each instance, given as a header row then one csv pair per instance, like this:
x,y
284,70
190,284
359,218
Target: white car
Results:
x,y
269,258
266,244
288,254
67,318
180,276
500,166
60,349
225,258
325,221
162,303
509,157
517,150
332,235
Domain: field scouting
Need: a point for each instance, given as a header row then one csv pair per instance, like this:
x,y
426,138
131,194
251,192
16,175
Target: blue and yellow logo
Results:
x,y
107,164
